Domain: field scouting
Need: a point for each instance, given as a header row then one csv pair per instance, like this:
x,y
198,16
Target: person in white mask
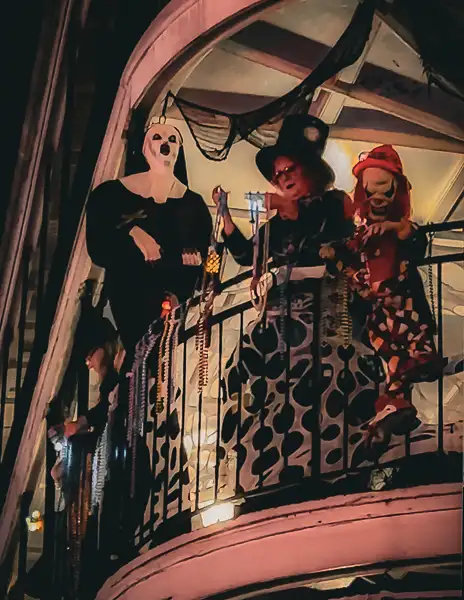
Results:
x,y
150,233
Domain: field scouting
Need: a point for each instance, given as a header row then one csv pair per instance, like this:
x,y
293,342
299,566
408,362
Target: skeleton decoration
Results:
x,y
377,263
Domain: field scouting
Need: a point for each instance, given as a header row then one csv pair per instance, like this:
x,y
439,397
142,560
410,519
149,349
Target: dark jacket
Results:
x,y
298,242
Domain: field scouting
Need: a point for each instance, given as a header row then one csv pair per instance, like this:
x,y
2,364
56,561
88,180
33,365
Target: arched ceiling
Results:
x,y
384,98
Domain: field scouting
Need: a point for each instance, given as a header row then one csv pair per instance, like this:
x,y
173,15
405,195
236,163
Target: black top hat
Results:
x,y
302,137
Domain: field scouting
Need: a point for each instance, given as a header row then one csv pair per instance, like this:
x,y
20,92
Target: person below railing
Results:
x,y
91,472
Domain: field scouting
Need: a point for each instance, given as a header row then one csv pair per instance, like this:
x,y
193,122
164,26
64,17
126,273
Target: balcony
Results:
x,y
201,494
203,481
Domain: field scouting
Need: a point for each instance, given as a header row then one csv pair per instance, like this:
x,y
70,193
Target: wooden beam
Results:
x,y
267,50
450,198
331,111
396,138
229,102
397,28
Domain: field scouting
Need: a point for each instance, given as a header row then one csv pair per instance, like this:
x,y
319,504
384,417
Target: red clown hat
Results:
x,y
383,157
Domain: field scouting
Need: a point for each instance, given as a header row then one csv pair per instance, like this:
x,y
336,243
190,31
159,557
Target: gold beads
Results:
x,y
213,263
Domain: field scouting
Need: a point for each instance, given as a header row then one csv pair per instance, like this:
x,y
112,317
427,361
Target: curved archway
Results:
x,y
183,32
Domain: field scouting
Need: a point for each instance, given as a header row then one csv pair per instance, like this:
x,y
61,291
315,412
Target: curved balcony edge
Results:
x,y
346,533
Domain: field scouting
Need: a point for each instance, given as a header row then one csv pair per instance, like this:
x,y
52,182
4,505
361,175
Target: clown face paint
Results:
x,y
380,189
161,147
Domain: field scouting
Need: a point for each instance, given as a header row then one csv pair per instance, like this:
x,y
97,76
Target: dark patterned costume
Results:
x,y
273,400
400,324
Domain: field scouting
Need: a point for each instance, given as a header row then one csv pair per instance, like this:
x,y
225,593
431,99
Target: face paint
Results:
x,y
161,147
380,188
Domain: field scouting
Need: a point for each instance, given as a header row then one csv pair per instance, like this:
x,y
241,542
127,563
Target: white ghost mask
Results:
x,y
161,147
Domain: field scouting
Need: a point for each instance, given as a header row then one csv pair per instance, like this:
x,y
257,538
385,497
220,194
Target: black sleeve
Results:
x,y
339,226
108,239
335,227
415,246
204,227
241,248
98,415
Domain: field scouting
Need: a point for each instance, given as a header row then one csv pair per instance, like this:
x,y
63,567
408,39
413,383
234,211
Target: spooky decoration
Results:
x,y
216,131
150,233
377,262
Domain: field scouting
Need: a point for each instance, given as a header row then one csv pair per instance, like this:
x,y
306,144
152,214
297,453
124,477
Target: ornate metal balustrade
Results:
x,y
178,456
213,456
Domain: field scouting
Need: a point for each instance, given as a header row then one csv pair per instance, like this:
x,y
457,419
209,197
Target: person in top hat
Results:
x,y
379,261
307,208
150,233
290,361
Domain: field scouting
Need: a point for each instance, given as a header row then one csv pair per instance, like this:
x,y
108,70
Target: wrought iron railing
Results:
x,y
181,457
205,474
195,447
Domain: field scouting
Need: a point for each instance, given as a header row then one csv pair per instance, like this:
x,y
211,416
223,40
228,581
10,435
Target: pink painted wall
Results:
x,y
345,532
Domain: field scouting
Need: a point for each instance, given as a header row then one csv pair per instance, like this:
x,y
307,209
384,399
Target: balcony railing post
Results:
x,y
440,354
22,328
218,415
5,358
183,456
197,477
25,505
316,437
239,412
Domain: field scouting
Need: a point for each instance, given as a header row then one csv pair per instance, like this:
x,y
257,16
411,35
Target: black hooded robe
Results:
x,y
135,288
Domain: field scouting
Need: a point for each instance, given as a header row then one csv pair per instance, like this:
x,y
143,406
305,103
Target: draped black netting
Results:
x,y
215,132
437,29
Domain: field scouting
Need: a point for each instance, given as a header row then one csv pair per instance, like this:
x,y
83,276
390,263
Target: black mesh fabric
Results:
x,y
437,29
215,132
